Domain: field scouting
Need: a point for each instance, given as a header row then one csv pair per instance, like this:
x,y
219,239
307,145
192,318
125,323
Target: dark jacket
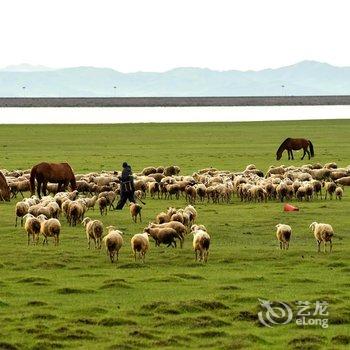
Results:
x,y
127,180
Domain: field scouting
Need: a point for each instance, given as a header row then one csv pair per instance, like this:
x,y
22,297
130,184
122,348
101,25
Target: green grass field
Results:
x,y
72,297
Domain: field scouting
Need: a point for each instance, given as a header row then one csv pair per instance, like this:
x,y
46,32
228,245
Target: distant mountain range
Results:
x,y
304,78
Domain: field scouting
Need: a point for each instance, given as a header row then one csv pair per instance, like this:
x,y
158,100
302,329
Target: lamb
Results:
x,y
323,233
32,226
94,231
50,228
21,209
113,242
140,244
283,235
339,193
201,243
164,235
135,210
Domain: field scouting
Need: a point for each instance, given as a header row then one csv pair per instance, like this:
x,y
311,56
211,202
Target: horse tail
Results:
x,y
32,180
311,148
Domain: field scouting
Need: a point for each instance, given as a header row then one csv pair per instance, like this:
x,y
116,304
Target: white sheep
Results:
x,y
201,243
32,226
339,193
113,242
50,228
94,231
21,209
140,244
283,234
323,233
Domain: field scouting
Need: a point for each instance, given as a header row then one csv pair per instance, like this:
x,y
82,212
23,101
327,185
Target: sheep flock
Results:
x,y
171,227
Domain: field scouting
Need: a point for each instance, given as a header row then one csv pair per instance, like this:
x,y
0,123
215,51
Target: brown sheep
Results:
x,y
166,235
177,226
102,204
135,210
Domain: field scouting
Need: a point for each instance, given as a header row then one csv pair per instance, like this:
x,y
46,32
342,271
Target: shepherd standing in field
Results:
x,y
127,187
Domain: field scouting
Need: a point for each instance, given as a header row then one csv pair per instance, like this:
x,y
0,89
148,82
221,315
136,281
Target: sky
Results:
x,y
158,35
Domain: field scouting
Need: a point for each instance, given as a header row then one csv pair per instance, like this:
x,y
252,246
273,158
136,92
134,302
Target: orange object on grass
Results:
x,y
289,207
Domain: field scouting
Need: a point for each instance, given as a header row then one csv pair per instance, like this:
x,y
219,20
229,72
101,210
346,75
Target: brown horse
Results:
x,y
4,189
295,144
60,173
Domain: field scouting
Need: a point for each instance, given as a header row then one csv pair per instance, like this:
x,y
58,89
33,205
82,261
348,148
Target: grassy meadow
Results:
x,y
72,297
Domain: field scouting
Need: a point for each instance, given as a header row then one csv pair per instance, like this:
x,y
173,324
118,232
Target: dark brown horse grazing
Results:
x,y
60,173
295,144
4,189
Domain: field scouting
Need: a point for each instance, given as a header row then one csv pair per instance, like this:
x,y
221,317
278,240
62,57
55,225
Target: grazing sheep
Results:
x,y
177,226
54,209
165,235
153,188
90,202
339,193
192,212
330,189
113,242
162,217
177,217
171,170
32,226
201,243
282,191
21,209
140,244
19,186
102,204
50,228
344,181
94,231
135,210
323,233
75,213
283,235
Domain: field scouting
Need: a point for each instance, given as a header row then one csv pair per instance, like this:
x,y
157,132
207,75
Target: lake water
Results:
x,y
168,114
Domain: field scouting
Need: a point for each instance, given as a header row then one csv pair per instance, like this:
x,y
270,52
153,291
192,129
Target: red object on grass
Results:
x,y
289,207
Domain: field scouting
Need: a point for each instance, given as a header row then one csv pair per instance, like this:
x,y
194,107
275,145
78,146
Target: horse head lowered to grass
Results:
x,y
291,145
